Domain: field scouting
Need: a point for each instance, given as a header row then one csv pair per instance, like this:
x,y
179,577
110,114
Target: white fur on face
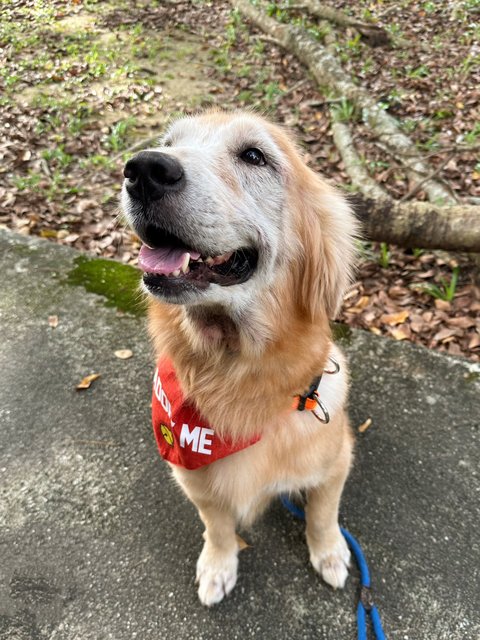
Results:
x,y
226,203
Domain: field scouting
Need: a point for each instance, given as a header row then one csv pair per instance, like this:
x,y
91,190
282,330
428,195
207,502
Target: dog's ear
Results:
x,y
326,228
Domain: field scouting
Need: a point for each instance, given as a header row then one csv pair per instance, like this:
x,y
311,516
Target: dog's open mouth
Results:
x,y
168,263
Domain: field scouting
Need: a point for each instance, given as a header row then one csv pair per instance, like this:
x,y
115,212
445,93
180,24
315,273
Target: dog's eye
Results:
x,y
253,156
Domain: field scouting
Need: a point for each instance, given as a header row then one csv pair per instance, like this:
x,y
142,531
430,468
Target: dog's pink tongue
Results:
x,y
162,261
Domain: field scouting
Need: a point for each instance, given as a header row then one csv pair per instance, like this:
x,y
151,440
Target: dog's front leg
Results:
x,y
218,561
329,553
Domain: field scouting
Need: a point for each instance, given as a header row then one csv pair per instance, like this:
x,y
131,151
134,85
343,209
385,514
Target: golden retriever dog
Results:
x,y
246,256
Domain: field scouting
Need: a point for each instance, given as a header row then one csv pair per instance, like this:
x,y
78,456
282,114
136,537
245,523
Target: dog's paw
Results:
x,y
216,575
332,563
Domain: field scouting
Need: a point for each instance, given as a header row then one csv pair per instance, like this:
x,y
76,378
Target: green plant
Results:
x,y
117,137
319,32
271,91
384,256
429,7
409,124
344,111
420,72
365,250
367,65
355,43
275,12
245,96
444,291
441,114
97,160
23,183
57,156
472,136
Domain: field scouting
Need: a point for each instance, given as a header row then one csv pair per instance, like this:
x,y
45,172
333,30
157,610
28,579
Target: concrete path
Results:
x,y
95,540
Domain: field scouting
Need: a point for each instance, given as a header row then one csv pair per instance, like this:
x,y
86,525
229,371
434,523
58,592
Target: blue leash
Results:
x,y
366,606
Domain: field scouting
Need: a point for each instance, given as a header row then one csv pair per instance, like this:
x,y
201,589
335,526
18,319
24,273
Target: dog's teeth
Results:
x,y
186,260
176,272
209,261
187,270
224,258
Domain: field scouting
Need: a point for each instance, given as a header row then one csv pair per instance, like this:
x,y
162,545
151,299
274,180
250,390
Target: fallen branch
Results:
x,y
327,71
407,224
354,165
419,224
374,34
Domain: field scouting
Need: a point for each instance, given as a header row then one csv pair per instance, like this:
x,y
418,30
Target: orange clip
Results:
x,y
310,403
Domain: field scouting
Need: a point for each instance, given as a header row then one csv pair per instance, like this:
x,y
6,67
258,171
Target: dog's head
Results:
x,y
232,219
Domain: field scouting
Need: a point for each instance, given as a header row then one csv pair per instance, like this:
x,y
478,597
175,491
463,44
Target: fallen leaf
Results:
x,y
417,327
53,321
376,331
124,354
393,319
70,238
350,294
444,334
398,291
464,322
48,233
87,381
400,334
443,305
241,543
426,274
364,426
474,341
359,305
362,303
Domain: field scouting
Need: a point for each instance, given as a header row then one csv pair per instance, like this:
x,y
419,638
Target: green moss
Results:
x,y
341,333
117,283
472,376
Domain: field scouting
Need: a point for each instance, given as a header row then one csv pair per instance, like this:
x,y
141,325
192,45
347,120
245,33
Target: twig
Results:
x,y
135,147
458,148
420,184
294,87
269,39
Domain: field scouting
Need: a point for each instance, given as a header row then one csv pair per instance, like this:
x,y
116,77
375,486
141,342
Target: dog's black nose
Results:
x,y
150,174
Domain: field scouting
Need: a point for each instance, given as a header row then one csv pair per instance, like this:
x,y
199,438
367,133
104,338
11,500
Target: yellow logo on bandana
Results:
x,y
167,434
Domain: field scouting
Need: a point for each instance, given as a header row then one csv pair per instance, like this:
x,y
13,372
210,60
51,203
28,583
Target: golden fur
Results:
x,y
242,376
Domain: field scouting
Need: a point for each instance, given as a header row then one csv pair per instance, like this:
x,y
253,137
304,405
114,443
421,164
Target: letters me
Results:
x,y
197,438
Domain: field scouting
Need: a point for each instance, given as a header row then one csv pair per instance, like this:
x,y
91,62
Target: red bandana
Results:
x,y
184,438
